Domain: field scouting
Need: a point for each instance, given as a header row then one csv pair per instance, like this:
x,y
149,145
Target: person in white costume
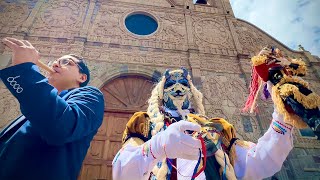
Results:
x,y
175,140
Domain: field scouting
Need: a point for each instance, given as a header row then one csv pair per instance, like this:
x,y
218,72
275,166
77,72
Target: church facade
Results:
x,y
128,44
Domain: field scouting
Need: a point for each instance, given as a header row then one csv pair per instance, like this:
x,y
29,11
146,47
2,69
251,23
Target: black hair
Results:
x,y
83,68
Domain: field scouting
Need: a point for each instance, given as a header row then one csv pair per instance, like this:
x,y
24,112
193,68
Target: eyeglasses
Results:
x,y
65,62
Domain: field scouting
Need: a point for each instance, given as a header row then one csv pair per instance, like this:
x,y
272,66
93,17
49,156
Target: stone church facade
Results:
x,y
208,40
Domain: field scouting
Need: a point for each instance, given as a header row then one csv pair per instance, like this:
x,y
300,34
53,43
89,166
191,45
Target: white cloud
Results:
x,y
292,22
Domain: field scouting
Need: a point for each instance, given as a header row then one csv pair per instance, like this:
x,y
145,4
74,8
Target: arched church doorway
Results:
x,y
123,97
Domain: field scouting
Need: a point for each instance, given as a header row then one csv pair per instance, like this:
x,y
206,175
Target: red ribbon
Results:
x,y
204,152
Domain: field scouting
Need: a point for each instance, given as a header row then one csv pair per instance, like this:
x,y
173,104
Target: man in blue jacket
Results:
x,y
60,116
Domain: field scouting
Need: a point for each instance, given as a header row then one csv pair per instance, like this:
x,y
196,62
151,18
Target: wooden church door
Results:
x,y
123,96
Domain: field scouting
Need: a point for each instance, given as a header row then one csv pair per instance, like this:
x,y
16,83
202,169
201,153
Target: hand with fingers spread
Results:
x,y
280,61
264,51
174,143
22,51
283,61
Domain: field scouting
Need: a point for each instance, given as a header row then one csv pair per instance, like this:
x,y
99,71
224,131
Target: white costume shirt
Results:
x,y
253,162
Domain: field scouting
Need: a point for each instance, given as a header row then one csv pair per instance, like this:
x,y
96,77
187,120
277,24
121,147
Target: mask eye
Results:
x,y
184,82
169,83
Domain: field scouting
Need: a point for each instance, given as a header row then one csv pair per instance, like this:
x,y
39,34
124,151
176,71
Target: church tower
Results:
x,y
129,43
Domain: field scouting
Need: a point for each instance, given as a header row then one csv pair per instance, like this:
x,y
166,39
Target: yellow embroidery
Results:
x,y
258,60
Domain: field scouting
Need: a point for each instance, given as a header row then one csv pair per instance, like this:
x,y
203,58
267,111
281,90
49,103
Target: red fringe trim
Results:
x,y
254,87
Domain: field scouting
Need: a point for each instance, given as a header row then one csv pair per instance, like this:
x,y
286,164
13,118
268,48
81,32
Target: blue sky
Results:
x,y
292,22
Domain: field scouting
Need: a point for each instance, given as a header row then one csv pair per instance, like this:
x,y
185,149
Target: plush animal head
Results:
x,y
176,92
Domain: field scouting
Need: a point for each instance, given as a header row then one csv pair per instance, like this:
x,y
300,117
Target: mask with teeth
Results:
x,y
176,93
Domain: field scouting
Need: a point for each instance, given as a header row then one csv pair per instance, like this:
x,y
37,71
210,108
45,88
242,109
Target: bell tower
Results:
x,y
224,5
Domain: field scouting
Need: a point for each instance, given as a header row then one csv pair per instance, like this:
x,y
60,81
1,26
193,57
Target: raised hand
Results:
x,y
22,51
283,61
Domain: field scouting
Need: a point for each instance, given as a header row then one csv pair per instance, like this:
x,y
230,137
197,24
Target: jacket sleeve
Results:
x,y
264,159
57,120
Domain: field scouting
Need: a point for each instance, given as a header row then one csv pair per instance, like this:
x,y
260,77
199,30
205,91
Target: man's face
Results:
x,y
67,74
176,91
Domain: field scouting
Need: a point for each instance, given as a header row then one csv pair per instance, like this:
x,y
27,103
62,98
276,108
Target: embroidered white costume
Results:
x,y
166,141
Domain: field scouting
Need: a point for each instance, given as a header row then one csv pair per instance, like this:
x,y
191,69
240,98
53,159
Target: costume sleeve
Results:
x,y
57,120
261,67
133,162
264,159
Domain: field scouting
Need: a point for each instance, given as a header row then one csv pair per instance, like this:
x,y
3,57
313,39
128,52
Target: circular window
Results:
x,y
141,24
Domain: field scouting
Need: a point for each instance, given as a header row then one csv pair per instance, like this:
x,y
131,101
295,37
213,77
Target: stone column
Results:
x,y
28,23
194,62
234,34
193,51
86,24
191,43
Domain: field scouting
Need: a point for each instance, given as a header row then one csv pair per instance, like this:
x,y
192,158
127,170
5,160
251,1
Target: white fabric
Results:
x,y
174,143
177,145
254,162
265,158
174,113
186,167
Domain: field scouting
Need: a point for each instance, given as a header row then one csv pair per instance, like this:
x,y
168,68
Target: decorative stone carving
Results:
x,y
12,15
253,40
60,18
211,31
178,2
102,72
172,19
265,110
53,48
246,66
163,3
9,107
61,14
109,27
238,122
137,57
212,35
224,96
224,89
249,39
107,22
208,9
218,64
97,68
